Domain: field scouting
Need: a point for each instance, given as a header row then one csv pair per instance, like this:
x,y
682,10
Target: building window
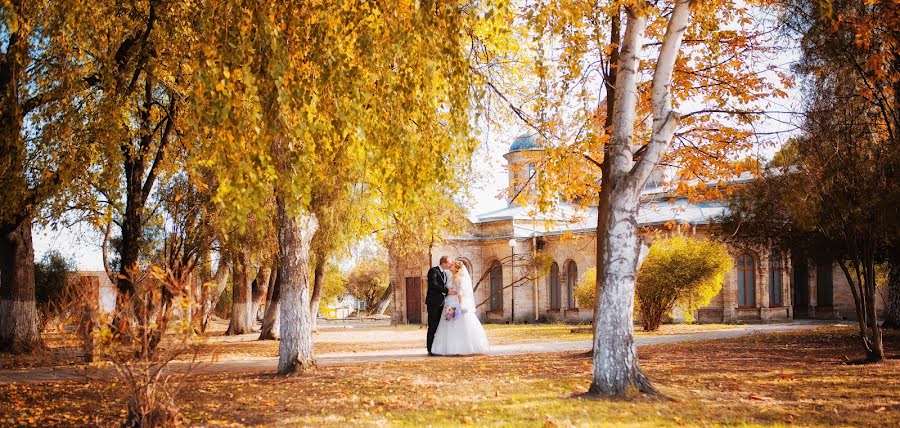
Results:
x,y
496,286
746,277
571,279
554,286
776,273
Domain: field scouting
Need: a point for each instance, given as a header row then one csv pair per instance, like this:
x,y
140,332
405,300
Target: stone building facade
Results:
x,y
763,286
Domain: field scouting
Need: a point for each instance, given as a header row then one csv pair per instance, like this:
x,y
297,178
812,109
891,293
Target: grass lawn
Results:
x,y
64,350
799,378
523,333
383,338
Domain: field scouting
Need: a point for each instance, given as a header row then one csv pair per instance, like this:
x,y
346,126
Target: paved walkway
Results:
x,y
256,364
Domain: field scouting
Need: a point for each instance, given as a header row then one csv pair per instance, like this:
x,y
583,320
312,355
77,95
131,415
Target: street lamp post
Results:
x,y
512,276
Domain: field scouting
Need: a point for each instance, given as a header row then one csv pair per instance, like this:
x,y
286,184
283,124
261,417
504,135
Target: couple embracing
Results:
x,y
453,326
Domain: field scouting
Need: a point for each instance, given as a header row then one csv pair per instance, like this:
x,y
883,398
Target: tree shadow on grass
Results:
x,y
888,358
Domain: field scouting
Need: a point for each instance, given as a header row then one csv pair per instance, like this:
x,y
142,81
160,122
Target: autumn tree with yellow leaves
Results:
x,y
45,100
284,86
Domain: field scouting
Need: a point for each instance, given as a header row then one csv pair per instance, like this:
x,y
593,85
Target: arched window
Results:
x,y
571,279
496,286
746,277
776,271
553,281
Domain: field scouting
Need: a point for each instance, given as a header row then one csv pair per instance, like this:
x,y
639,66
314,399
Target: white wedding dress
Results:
x,y
462,335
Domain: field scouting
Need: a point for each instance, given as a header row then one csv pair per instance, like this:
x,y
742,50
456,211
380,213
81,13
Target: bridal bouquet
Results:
x,y
452,312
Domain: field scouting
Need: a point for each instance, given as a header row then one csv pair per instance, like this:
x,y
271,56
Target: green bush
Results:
x,y
679,271
51,276
586,289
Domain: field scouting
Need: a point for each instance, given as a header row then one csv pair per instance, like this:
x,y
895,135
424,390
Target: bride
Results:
x,y
459,331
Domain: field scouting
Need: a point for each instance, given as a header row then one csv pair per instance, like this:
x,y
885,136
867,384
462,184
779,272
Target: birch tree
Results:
x,y
605,83
620,250
270,324
241,321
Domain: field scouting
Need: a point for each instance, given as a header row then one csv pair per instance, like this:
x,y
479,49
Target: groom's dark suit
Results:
x,y
434,300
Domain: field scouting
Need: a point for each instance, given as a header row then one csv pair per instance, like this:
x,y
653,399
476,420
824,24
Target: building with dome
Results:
x,y
763,286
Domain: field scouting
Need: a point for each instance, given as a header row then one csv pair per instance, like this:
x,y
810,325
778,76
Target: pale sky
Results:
x,y
82,244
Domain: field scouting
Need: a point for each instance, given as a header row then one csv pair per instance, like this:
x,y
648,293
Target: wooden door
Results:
x,y
414,300
800,285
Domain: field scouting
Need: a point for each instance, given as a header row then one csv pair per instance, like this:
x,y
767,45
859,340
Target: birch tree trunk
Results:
x,y
241,320
295,351
270,323
220,281
260,289
616,370
18,311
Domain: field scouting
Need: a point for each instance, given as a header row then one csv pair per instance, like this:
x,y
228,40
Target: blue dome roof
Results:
x,y
524,142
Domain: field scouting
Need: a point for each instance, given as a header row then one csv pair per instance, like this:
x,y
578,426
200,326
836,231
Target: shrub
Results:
x,y
679,271
51,276
140,340
586,289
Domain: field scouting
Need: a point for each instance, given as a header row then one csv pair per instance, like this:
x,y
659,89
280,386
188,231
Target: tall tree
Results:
x,y
288,82
859,37
145,55
834,197
251,247
270,325
210,292
241,321
44,99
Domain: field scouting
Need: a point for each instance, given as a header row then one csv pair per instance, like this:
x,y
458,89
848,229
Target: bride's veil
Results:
x,y
467,300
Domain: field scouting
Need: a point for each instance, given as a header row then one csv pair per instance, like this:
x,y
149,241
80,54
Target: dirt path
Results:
x,y
249,364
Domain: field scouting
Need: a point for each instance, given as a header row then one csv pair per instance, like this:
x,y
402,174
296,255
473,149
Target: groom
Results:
x,y
438,277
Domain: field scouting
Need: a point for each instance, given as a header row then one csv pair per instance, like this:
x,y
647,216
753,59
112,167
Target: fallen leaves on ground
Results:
x,y
757,380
